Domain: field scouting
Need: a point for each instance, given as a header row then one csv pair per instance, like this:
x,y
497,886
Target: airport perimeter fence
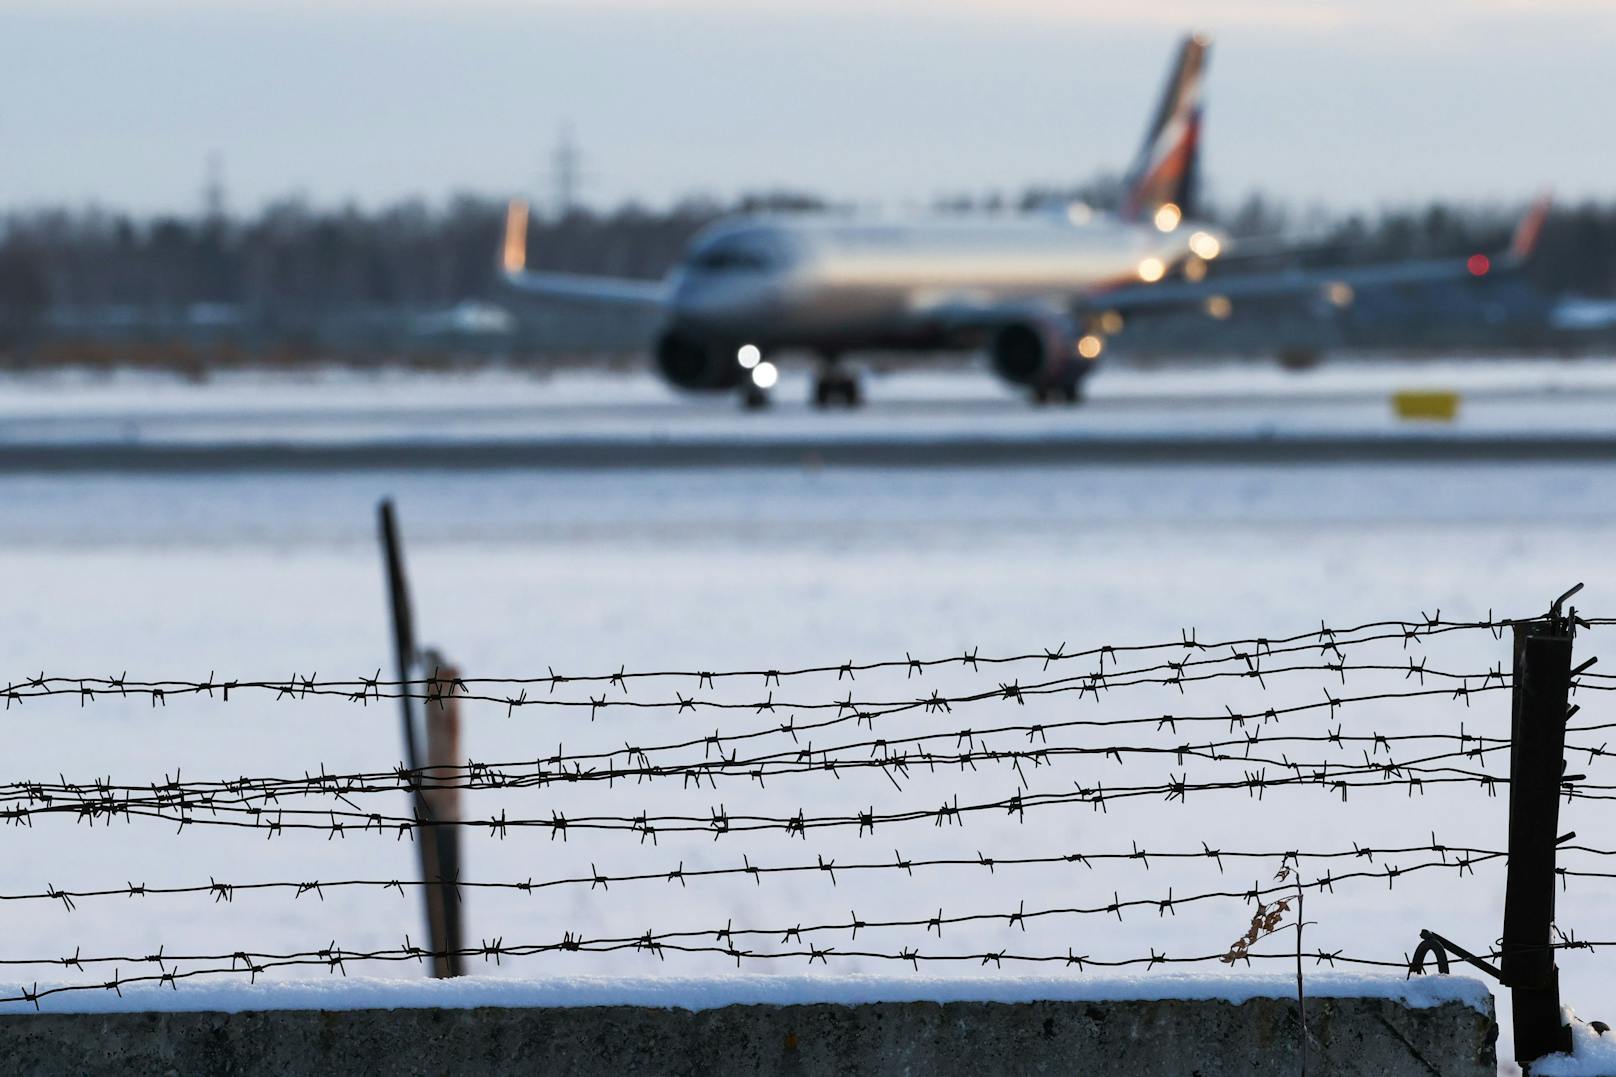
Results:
x,y
1314,725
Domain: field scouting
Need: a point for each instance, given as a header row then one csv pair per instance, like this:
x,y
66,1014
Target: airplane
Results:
x,y
1043,291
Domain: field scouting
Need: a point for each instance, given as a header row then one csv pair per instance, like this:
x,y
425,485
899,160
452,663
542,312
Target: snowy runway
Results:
x,y
334,420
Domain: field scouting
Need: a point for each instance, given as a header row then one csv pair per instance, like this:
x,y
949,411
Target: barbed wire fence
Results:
x,y
814,773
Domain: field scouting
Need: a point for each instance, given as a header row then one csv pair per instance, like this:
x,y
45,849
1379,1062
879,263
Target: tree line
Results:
x,y
292,260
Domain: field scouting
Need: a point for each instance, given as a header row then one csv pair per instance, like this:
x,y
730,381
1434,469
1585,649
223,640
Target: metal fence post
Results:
x,y
437,846
1542,683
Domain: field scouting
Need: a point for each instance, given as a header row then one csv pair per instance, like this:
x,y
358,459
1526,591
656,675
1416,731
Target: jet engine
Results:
x,y
1033,352
696,365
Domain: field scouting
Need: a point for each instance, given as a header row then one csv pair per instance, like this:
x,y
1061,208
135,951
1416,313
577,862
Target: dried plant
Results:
x,y
1268,918
1264,922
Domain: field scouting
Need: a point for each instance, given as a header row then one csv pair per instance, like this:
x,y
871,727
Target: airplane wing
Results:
x,y
1335,285
963,316
615,291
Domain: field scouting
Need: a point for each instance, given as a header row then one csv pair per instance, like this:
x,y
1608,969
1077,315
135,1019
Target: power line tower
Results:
x,y
213,192
566,173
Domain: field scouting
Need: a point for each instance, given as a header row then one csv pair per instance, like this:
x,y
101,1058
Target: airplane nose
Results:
x,y
700,298
723,303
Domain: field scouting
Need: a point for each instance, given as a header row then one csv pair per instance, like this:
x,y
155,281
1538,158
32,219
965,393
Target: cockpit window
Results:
x,y
745,252
723,259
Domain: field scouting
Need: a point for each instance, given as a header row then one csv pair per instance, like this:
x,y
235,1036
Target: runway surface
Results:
x,y
556,454
1528,410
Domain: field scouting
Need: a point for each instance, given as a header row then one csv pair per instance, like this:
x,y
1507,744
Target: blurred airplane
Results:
x,y
1042,290
750,285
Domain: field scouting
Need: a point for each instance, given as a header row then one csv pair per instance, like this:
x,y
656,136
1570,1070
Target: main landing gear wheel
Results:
x,y
753,398
837,387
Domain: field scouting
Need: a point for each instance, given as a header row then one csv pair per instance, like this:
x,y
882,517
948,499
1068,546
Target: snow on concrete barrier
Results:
x,y
771,1025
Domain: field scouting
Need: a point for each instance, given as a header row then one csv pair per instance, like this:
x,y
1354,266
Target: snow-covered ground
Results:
x,y
340,407
1593,1053
264,576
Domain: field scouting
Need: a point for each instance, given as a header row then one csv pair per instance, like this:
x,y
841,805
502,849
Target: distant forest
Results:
x,y
292,260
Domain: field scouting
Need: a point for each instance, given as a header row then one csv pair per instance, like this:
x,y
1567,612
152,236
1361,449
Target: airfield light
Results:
x,y
1168,216
1090,346
1478,264
749,356
764,375
1152,270
1205,245
1194,270
1219,307
1111,323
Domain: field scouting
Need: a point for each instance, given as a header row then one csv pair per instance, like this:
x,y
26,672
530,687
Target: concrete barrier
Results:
x,y
1206,1038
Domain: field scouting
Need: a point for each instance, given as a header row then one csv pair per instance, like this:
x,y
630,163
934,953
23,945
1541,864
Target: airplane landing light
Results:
x,y
1205,245
764,375
749,356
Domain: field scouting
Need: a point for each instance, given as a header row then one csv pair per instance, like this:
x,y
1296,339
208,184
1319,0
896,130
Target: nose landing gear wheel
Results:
x,y
1066,391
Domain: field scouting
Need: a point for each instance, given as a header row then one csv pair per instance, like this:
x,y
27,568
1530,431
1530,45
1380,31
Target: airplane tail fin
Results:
x,y
513,258
1530,229
1164,172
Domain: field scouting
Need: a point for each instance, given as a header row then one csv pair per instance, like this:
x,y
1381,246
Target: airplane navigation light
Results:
x,y
1478,264
1168,216
1090,346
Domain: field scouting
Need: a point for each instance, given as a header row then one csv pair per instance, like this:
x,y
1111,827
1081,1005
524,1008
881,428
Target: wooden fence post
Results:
x,y
443,798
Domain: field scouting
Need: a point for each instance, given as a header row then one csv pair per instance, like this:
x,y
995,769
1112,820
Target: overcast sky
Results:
x,y
1350,104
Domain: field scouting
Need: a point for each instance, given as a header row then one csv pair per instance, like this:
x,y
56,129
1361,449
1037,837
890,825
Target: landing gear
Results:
x,y
1067,390
757,376
834,387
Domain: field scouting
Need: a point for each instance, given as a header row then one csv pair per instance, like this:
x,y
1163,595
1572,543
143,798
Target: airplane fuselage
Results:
x,y
837,283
